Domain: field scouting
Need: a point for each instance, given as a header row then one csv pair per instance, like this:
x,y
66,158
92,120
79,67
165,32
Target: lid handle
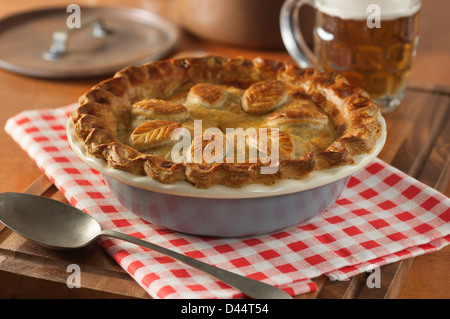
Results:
x,y
61,37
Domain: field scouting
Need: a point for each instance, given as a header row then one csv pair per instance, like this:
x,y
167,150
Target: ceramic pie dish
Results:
x,y
222,211
325,128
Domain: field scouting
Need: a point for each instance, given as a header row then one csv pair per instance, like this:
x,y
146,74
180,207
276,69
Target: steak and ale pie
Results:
x,y
216,120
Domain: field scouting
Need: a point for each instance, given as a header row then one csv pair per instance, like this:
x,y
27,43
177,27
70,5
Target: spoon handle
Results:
x,y
250,287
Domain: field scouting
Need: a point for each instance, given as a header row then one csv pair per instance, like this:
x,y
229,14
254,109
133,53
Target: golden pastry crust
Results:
x,y
207,95
207,149
264,140
264,96
296,113
153,134
336,122
160,109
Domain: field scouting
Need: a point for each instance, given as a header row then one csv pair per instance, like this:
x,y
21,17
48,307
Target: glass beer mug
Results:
x,y
371,42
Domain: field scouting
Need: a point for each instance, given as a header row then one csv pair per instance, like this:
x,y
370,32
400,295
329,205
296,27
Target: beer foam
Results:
x,y
358,9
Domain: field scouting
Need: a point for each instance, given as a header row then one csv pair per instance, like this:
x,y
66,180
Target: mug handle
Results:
x,y
291,34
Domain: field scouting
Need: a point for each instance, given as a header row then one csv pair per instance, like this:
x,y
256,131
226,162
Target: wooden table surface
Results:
x,y
418,143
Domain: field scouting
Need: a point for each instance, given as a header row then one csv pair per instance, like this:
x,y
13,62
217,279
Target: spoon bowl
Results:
x,y
60,226
48,222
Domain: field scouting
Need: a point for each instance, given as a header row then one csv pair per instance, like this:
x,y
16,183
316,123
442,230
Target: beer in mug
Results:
x,y
371,42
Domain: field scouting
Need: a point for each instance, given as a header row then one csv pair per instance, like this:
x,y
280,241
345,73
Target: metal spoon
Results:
x,y
57,225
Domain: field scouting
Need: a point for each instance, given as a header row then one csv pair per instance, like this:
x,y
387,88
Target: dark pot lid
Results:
x,y
39,42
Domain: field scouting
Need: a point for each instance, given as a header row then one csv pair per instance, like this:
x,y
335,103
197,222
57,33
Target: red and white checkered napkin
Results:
x,y
382,216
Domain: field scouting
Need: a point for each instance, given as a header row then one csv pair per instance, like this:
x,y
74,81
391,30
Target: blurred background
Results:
x,y
252,27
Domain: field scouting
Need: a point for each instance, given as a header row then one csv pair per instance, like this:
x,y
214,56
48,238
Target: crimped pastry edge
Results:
x,y
97,116
183,188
